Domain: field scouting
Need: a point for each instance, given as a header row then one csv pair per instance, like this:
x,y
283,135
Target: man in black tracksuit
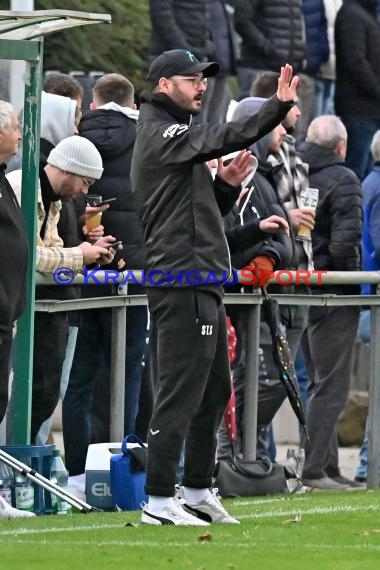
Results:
x,y
181,211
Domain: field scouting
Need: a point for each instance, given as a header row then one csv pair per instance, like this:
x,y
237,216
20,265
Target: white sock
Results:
x,y
193,496
156,503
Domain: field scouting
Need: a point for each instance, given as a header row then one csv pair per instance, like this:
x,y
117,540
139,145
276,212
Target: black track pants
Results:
x,y
193,386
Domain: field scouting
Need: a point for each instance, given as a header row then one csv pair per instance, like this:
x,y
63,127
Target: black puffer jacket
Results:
x,y
357,46
338,228
272,33
113,134
178,204
180,24
222,37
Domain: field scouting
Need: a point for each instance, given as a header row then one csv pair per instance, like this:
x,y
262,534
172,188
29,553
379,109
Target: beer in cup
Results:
x,y
308,200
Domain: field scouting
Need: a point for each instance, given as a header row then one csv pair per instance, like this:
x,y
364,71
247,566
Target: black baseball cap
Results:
x,y
179,62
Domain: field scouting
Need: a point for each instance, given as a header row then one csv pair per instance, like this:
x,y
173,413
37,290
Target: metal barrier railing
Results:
x,y
119,304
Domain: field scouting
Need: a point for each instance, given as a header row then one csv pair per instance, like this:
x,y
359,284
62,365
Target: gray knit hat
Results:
x,y
77,155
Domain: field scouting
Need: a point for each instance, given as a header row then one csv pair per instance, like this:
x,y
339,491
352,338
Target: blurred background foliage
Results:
x,y
120,47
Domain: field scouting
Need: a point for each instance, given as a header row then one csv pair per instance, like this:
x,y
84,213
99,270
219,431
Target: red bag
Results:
x,y
229,414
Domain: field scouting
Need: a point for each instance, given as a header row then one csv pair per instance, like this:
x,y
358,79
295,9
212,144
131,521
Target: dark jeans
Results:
x,y
50,340
92,363
360,133
194,387
5,356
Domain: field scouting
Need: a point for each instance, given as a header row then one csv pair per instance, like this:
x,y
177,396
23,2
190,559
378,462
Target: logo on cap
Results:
x,y
191,56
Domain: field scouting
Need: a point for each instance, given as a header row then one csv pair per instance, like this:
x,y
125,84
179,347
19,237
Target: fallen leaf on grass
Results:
x,y
205,537
365,533
368,532
296,519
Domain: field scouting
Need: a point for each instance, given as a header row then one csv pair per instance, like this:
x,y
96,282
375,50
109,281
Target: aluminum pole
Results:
x,y
119,319
374,402
251,383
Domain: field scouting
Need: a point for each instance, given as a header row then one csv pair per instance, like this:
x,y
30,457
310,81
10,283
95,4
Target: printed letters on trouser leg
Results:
x,y
201,440
187,340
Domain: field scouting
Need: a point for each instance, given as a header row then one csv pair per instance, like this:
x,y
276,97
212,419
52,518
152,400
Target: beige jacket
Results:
x,y
50,253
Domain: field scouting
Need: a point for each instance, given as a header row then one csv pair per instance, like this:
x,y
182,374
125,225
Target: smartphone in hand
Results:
x,y
106,201
114,244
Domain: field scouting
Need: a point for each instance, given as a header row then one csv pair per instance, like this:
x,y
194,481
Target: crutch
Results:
x,y
46,484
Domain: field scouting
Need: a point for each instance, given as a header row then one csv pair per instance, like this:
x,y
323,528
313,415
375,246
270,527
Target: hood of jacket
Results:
x,y
57,117
112,132
247,107
317,156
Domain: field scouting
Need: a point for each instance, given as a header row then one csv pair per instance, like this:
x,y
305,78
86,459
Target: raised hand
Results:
x,y
287,84
237,170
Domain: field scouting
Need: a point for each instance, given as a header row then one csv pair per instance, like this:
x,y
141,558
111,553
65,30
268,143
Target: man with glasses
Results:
x,y
181,210
70,168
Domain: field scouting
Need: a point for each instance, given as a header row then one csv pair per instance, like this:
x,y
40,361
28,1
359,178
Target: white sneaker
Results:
x,y
173,514
8,512
210,509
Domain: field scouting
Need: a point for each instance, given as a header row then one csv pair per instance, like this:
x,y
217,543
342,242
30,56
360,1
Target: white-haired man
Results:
x,y
332,330
14,260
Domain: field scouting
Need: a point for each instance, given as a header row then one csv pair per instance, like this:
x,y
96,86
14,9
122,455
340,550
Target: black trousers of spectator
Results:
x,y
5,354
50,340
194,386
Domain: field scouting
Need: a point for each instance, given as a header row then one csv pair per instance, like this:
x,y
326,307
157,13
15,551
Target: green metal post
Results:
x,y
23,371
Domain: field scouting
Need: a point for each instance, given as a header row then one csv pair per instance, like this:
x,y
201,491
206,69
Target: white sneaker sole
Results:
x,y
150,518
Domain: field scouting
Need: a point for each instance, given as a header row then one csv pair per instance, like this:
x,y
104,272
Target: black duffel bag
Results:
x,y
238,478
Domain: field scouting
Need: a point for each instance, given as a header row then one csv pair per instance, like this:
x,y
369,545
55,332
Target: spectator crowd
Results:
x,y
256,144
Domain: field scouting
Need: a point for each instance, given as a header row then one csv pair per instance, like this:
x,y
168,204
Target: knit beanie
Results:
x,y
77,155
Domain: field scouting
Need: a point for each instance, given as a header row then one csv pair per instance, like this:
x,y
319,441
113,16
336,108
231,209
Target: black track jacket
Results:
x,y
180,207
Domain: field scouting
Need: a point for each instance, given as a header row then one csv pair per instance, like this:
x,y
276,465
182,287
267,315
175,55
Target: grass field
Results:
x,y
325,531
